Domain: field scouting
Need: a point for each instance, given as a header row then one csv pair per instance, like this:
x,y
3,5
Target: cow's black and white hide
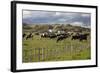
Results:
x,y
29,36
80,37
24,35
62,37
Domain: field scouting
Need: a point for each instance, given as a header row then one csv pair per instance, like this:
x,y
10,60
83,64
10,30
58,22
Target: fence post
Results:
x,y
47,54
34,54
30,59
56,54
42,53
39,54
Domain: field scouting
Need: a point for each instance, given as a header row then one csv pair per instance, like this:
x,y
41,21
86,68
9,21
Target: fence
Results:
x,y
44,54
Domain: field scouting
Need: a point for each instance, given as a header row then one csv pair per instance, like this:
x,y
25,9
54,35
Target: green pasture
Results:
x,y
66,49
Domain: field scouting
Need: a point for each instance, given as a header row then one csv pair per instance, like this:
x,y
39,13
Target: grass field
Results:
x,y
45,49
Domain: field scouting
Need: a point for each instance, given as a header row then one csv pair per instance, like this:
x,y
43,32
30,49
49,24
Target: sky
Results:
x,y
52,17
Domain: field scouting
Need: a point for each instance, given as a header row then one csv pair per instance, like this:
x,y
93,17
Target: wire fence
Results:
x,y
44,54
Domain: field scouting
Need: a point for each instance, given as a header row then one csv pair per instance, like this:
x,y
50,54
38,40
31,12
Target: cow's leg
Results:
x,y
32,37
26,37
72,38
80,39
86,38
57,40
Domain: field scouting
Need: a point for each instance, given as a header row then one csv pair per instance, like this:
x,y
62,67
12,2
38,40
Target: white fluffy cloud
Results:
x,y
85,15
77,23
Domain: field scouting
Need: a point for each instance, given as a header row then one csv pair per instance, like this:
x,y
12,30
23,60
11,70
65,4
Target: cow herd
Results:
x,y
58,37
30,35
80,37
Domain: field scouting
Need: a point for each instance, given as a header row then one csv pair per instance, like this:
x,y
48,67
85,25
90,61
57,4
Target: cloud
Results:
x,y
27,14
76,18
85,15
62,20
57,13
77,23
